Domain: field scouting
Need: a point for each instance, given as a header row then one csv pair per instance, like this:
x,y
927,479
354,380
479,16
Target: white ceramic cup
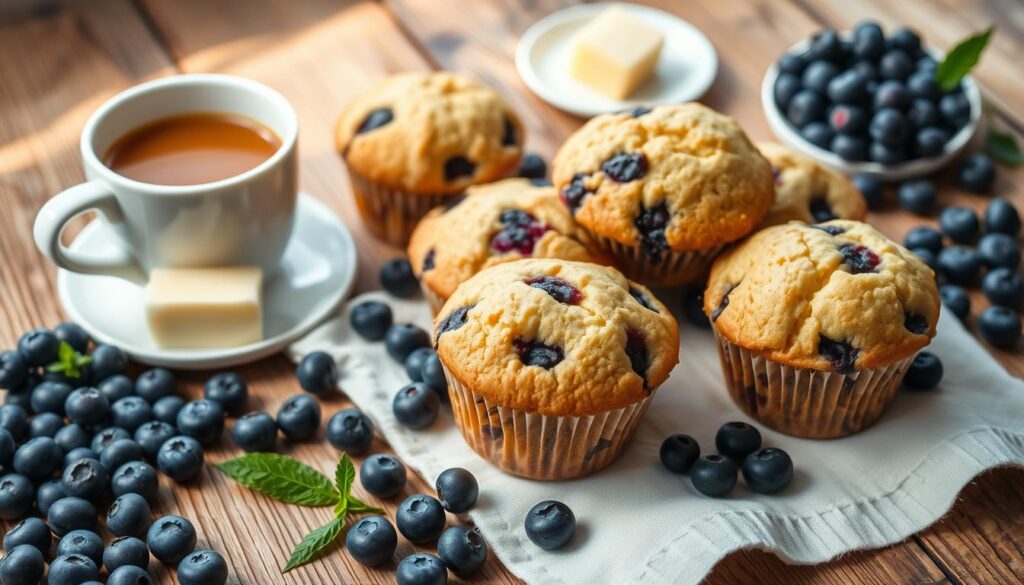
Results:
x,y
242,220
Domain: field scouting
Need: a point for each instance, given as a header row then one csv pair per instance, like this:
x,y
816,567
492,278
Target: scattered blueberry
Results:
x,y
202,420
960,224
1000,326
71,513
928,257
7,448
22,565
382,475
47,493
128,515
737,440
16,495
959,264
416,406
1002,217
371,540
318,373
73,335
421,569
107,360
154,384
402,338
432,374
132,575
768,470
38,459
532,167
150,436
414,362
998,250
924,237
229,390
917,196
976,173
87,406
50,397
550,524
203,567
130,413
135,477
956,300
457,490
255,432
13,370
30,531
170,538
125,551
299,417
77,454
679,452
81,542
397,278
351,431
107,436
86,479
181,458
693,306
714,475
462,550
38,347
167,408
44,425
420,519
371,320
924,373
1004,287
115,388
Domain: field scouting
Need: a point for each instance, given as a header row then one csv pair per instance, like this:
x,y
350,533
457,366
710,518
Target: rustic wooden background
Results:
x,y
59,60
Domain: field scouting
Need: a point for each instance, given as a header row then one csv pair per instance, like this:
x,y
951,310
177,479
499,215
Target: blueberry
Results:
x,y
818,134
421,569
956,300
923,114
891,94
805,107
203,567
928,257
871,188
847,87
960,224
924,373
420,518
462,550
457,490
132,575
817,76
693,306
737,440
202,420
152,435
955,109
397,278
318,373
87,406
81,542
532,167
71,513
130,413
1000,326
128,516
154,384
714,475
16,495
825,44
350,430
125,551
135,477
414,362
371,540
167,408
86,479
868,72
181,458
382,475
930,142
550,524
432,374
74,335
1001,217
976,173
906,39
22,565
896,64
416,406
30,531
371,320
959,264
44,425
792,63
402,338
13,370
72,569
917,196
170,538
22,399
120,452
299,417
47,493
1004,287
107,360
14,420
115,388
922,85
255,432
38,347
849,147
888,126
868,40
768,470
7,448
38,459
848,119
999,250
786,86
77,454
927,63
679,452
886,154
107,436
229,390
924,237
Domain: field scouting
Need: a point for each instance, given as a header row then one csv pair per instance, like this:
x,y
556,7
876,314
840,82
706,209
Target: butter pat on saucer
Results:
x,y
194,308
615,53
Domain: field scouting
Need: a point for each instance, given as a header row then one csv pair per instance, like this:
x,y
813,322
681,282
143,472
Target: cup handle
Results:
x,y
65,206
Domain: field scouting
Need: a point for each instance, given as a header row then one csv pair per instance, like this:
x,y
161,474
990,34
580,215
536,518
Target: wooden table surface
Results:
x,y
59,61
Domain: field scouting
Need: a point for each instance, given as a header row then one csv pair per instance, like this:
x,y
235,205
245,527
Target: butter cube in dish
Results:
x,y
201,308
615,53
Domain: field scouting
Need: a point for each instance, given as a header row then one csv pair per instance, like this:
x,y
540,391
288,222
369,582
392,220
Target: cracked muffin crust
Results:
x,y
495,223
838,296
807,191
556,337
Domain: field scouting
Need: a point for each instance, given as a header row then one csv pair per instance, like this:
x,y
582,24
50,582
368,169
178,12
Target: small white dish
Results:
x,y
317,272
789,136
685,70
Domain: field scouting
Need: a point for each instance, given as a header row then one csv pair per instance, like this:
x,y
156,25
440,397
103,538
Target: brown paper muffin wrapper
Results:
x,y
391,214
537,446
804,402
435,300
671,269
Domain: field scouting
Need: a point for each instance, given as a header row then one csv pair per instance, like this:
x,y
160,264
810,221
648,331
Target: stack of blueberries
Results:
x,y
868,97
75,441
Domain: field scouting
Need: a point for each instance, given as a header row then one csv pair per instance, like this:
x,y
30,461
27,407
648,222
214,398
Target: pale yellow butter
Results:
x,y
615,53
192,308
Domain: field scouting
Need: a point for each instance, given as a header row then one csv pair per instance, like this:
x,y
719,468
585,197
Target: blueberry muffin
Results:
x,y
500,222
663,190
419,139
807,191
817,324
551,363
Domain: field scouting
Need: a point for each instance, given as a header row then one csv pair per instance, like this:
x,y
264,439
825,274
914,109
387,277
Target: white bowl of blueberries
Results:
x,y
861,102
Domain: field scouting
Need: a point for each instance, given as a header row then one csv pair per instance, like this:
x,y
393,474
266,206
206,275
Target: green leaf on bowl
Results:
x,y
959,61
1003,147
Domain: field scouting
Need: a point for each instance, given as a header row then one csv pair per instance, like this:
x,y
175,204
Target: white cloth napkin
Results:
x,y
639,524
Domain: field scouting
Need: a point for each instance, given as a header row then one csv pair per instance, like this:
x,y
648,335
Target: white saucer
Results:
x,y
686,69
318,269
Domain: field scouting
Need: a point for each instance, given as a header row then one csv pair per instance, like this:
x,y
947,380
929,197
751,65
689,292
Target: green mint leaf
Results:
x,y
313,543
1003,147
66,353
355,505
82,360
56,367
282,478
961,59
341,509
344,476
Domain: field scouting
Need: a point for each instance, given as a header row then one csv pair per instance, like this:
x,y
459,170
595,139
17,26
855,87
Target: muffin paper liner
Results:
x,y
435,300
391,214
538,446
671,269
804,402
